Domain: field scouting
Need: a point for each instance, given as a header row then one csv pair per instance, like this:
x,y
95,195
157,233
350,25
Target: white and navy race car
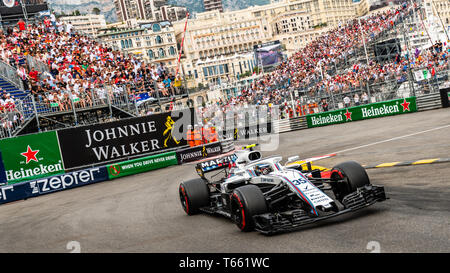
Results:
x,y
264,195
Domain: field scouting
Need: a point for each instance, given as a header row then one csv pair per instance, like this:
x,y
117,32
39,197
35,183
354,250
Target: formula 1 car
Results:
x,y
263,195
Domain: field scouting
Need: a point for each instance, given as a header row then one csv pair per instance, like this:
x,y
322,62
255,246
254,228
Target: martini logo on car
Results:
x,y
31,157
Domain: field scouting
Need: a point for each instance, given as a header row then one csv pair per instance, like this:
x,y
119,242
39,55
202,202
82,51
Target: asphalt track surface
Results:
x,y
142,213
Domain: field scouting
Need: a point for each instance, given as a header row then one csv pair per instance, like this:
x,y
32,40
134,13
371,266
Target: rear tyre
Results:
x,y
194,194
246,202
354,176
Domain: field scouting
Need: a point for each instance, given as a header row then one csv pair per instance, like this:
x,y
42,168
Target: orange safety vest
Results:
x,y
190,138
197,137
311,108
205,135
299,110
214,137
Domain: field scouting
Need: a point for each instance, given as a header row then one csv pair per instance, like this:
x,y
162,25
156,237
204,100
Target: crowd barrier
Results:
x,y
369,111
34,188
47,154
49,175
65,181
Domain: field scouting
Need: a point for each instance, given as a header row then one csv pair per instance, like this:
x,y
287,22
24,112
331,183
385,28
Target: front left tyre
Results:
x,y
246,202
352,176
194,194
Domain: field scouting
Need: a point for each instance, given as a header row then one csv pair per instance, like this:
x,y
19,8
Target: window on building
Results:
x,y
172,50
158,40
156,27
162,53
151,55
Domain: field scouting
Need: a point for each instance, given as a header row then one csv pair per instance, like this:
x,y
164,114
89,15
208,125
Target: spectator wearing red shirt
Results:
x,y
22,25
34,74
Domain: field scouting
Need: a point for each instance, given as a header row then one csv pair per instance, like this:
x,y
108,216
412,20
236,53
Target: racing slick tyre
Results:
x,y
353,175
194,194
246,202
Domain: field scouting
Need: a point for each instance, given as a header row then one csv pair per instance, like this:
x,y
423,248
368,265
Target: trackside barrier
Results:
x,y
45,185
142,165
35,188
199,152
48,154
369,111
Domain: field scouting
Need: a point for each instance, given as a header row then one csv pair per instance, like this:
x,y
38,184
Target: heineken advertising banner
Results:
x,y
24,190
95,144
199,152
142,165
31,157
375,110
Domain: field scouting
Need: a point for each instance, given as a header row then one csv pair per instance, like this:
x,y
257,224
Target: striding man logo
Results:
x,y
168,132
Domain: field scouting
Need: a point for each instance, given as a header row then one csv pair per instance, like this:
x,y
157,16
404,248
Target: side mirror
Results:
x,y
293,159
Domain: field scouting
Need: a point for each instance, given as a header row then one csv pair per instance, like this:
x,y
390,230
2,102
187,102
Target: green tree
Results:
x,y
96,11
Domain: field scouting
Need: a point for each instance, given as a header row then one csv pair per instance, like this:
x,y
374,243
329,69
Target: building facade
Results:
x,y
441,12
152,42
209,5
232,34
152,10
86,24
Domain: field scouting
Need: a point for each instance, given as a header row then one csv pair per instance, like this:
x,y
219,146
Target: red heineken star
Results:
x,y
30,155
405,105
348,115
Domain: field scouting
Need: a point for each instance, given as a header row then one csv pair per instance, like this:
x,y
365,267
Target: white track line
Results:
x,y
393,139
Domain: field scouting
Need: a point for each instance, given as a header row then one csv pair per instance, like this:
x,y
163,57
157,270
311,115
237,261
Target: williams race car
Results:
x,y
264,195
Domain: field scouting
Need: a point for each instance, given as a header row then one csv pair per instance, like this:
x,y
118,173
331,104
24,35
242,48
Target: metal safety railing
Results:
x,y
9,73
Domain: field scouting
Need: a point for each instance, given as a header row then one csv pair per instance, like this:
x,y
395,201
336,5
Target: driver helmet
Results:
x,y
264,169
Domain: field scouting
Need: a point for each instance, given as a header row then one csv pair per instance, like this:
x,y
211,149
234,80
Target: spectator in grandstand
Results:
x,y
347,102
161,70
22,25
177,85
161,87
168,84
23,74
365,98
324,105
356,99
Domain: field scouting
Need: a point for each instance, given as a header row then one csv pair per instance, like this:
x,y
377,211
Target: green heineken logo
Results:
x,y
348,115
380,111
405,106
328,119
374,110
31,157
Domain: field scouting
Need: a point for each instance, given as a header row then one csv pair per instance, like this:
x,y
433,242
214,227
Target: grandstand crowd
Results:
x,y
82,72
308,68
